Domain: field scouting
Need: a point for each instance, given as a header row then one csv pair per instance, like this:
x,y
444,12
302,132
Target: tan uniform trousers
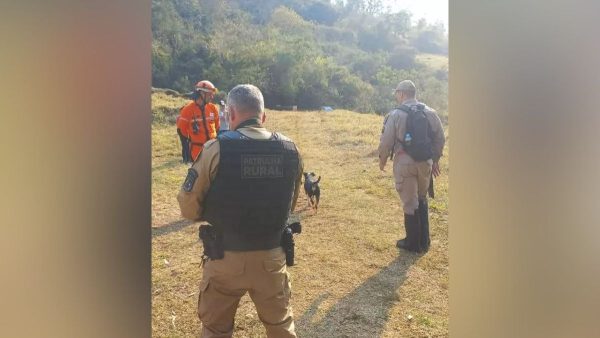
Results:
x,y
261,273
412,182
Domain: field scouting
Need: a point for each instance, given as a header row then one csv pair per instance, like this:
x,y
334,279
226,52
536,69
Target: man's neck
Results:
x,y
409,100
250,122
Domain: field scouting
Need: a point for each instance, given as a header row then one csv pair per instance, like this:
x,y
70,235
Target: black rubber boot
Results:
x,y
411,242
423,212
403,243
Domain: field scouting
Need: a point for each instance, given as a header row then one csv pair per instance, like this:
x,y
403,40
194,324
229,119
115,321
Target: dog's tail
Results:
x,y
317,181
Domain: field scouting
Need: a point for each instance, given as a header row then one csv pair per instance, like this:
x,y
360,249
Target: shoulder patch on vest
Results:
x,y
190,179
385,119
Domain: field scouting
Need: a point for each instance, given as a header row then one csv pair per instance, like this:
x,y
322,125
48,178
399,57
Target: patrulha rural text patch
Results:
x,y
262,166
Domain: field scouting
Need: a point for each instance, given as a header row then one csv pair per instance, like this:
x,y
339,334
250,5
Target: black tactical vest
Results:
x,y
251,196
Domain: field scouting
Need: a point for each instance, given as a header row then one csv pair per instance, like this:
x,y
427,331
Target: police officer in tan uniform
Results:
x,y
412,177
245,183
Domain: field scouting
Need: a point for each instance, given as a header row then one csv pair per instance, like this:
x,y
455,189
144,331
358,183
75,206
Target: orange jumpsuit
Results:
x,y
208,125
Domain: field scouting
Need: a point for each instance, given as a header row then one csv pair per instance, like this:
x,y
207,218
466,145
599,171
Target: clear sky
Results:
x,y
432,10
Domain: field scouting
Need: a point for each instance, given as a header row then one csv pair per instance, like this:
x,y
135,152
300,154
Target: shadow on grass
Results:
x,y
171,227
362,313
168,165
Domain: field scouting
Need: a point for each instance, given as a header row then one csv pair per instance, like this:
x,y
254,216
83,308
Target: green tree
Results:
x,y
349,54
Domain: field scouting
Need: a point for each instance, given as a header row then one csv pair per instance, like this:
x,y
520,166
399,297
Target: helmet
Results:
x,y
206,86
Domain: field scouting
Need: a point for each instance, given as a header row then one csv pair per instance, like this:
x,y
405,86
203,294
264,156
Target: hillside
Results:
x,y
309,53
433,61
349,280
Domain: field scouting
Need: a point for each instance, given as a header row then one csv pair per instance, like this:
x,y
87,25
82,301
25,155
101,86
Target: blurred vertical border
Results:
x,y
524,235
75,140
75,180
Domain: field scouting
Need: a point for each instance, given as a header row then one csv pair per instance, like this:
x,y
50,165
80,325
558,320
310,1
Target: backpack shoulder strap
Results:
x,y
404,108
419,107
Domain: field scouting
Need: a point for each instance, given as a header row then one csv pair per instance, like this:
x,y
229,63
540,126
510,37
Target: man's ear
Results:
x,y
263,118
232,114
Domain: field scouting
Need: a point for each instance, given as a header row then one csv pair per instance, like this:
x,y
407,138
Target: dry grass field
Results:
x,y
350,280
433,61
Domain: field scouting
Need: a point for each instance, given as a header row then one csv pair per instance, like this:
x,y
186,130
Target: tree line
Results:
x,y
347,54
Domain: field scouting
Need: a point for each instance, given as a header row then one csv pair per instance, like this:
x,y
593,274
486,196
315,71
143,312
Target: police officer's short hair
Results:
x,y
408,87
246,98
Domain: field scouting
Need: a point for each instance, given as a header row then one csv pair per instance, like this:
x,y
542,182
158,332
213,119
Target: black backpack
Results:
x,y
416,141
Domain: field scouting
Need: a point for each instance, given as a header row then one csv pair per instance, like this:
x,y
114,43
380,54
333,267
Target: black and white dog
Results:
x,y
311,188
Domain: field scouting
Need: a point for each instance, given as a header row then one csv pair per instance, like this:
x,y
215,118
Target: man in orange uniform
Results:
x,y
200,118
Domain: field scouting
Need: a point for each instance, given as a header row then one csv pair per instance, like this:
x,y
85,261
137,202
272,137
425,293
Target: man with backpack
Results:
x,y
414,137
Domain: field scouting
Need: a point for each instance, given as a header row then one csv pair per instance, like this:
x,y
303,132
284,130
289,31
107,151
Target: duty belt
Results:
x,y
400,152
